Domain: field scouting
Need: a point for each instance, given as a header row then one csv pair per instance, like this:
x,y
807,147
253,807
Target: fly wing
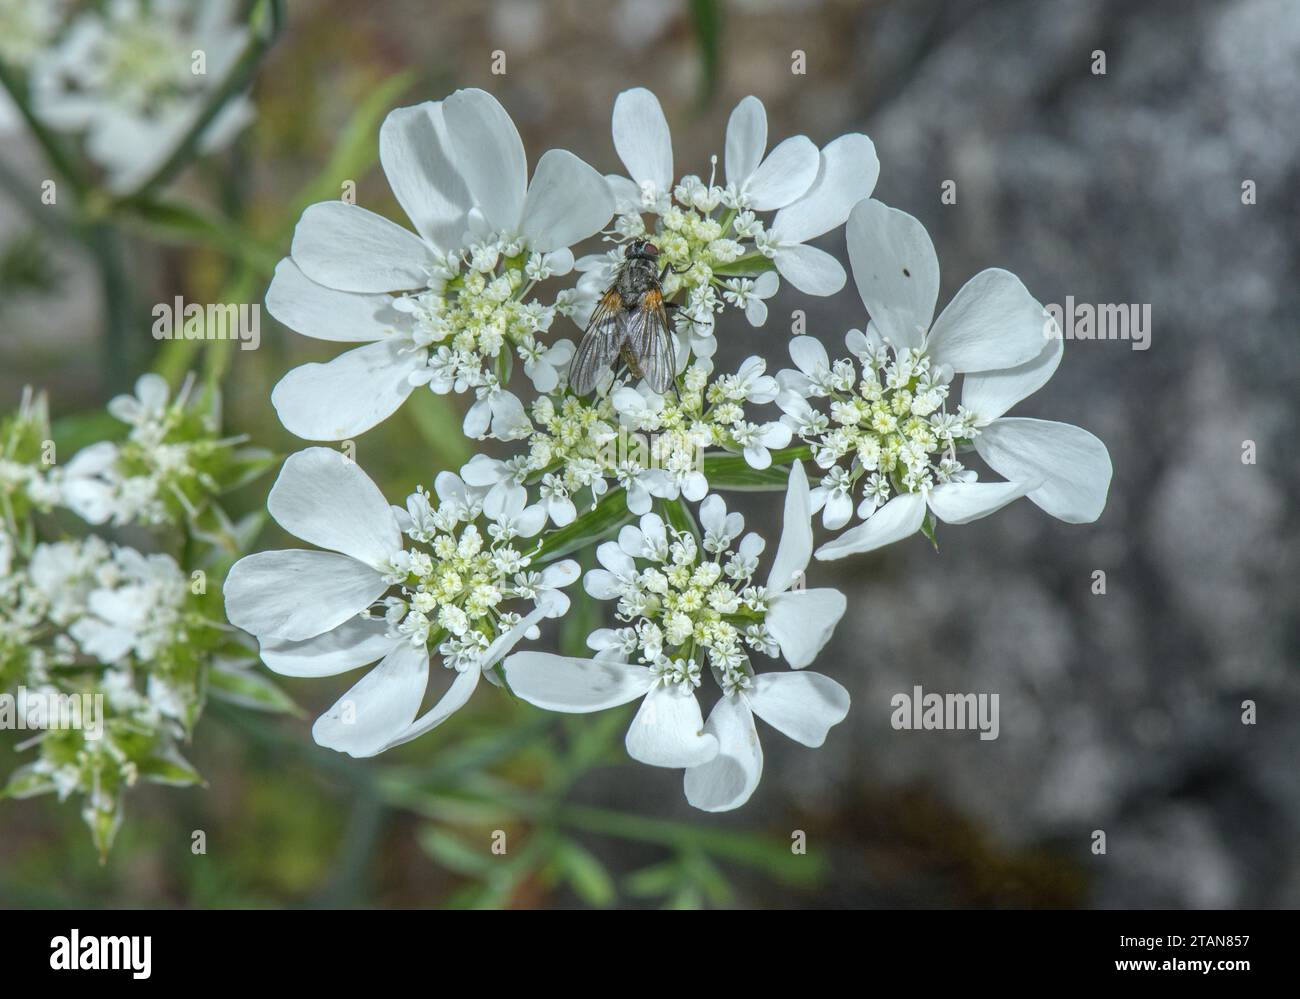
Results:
x,y
651,342
600,343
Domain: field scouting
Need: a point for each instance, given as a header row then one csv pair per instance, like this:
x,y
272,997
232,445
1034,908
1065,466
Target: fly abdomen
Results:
x,y
628,358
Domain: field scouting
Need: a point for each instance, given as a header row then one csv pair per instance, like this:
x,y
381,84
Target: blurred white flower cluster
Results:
x,y
471,570
132,78
133,639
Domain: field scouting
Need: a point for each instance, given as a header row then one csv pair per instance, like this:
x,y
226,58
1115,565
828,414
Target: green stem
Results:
x,y
800,452
120,350
55,151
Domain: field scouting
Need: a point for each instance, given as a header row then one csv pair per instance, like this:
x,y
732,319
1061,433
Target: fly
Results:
x,y
630,324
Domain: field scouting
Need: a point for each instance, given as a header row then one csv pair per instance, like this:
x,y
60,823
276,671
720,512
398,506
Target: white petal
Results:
x,y
607,643
349,248
989,394
899,518
1072,464
477,419
560,263
298,594
453,699
795,549
802,622
349,395
98,457
896,271
775,435
89,499
561,510
638,497
713,514
316,311
962,502
326,499
812,271
839,510
787,173
567,202
654,534
544,377
559,574
668,730
627,196
563,683
616,556
419,168
746,141
628,400
506,498
531,520
489,154
809,354
632,542
602,585
380,705
509,419
992,322
848,173
483,470
751,546
642,138
353,643
728,780
105,642
450,488
152,391
803,706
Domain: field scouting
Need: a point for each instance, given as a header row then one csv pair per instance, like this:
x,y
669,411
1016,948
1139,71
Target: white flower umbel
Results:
x,y
687,604
450,305
651,445
716,247
134,607
447,589
138,634
134,77
159,473
887,439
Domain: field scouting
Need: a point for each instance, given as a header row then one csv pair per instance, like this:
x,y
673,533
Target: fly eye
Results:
x,y
651,249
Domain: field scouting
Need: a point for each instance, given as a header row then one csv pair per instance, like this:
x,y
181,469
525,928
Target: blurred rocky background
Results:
x,y
1120,712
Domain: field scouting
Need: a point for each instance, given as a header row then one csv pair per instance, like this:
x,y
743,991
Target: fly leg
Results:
x,y
669,268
